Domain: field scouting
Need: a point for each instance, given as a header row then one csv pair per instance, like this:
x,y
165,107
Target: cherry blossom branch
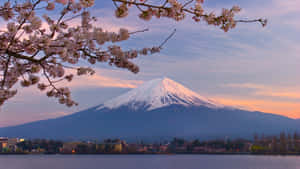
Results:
x,y
71,18
177,11
28,52
5,72
184,5
63,13
48,78
11,42
20,56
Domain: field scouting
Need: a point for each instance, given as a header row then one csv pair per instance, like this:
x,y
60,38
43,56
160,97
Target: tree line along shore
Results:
x,y
282,144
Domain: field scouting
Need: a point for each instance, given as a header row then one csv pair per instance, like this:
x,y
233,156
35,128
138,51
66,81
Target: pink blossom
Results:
x,y
64,2
50,6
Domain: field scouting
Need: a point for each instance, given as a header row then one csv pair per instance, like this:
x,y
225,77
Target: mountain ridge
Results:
x,y
180,113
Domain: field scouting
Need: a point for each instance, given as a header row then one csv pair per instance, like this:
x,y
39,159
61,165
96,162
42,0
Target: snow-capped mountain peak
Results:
x,y
159,93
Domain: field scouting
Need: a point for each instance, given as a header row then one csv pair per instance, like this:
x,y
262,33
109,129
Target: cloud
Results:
x,y
103,78
290,95
99,79
293,22
272,8
291,92
12,121
286,7
245,85
285,108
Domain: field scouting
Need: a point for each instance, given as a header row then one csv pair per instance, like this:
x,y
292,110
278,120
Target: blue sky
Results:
x,y
250,67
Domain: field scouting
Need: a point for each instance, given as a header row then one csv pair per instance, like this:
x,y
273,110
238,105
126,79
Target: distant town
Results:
x,y
284,144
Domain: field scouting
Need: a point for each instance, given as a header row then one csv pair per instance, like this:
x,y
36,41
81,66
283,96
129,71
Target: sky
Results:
x,y
250,67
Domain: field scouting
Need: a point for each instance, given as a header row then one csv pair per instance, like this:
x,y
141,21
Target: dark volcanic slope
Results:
x,y
166,122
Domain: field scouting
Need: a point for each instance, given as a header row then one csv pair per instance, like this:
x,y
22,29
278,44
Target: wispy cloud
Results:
x,y
285,108
11,121
273,8
101,80
286,7
292,92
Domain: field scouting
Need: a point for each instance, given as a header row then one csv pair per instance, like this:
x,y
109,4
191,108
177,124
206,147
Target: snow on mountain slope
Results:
x,y
158,93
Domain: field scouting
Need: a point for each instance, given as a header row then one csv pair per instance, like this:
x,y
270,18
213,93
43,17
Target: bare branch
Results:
x,y
139,31
166,40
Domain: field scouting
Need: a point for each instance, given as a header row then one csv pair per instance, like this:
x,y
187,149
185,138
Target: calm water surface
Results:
x,y
149,162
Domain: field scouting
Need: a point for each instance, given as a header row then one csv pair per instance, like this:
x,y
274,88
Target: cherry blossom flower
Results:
x,y
87,3
50,6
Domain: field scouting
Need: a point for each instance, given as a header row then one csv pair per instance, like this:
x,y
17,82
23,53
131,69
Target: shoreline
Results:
x,y
124,154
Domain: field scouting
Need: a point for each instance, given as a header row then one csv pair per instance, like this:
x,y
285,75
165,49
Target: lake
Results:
x,y
148,162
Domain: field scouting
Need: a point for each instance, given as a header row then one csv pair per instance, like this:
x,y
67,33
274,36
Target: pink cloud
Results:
x,y
285,108
287,92
101,80
11,121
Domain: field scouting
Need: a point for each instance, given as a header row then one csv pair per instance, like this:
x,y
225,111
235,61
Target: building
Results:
x,y
69,147
3,144
163,148
118,148
9,144
199,149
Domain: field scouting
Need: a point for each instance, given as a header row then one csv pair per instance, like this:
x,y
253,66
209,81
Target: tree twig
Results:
x,y
139,31
166,40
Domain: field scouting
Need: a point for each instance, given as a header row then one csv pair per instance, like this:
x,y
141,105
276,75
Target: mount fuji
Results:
x,y
159,93
158,109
